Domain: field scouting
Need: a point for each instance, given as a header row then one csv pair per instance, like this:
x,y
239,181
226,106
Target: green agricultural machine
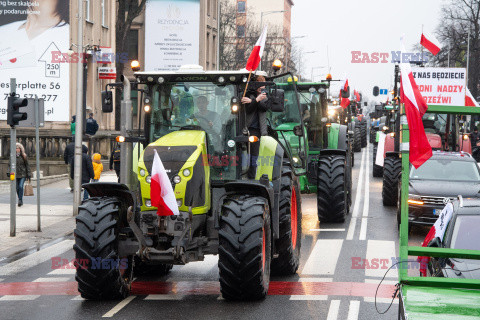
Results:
x,y
253,225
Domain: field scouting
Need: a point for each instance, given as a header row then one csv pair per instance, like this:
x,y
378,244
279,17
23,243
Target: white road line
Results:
x,y
380,300
118,307
68,269
333,310
53,279
315,279
321,230
353,310
379,257
36,258
363,229
79,298
366,199
311,297
323,258
19,297
164,297
356,206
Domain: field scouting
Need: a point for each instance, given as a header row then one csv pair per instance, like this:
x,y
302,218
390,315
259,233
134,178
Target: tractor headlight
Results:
x,y
161,80
295,159
186,172
148,179
177,179
385,128
331,113
142,172
148,203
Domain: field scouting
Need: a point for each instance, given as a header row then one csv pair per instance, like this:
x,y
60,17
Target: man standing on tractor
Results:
x,y
256,108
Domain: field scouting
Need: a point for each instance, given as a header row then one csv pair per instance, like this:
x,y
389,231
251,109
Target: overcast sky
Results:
x,y
360,25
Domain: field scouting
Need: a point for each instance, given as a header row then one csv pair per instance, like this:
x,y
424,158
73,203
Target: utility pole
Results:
x,y
13,169
77,189
37,160
125,130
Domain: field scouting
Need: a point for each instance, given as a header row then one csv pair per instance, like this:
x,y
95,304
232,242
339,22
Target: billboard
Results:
x,y
29,32
172,34
441,86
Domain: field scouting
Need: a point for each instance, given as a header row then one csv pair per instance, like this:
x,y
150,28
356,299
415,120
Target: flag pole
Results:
x,y
248,81
468,55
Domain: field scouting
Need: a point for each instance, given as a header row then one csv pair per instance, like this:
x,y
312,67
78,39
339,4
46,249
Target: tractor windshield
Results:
x,y
198,106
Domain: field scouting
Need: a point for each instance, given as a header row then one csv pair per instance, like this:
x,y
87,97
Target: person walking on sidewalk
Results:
x,y
22,171
91,127
115,161
97,166
68,156
87,169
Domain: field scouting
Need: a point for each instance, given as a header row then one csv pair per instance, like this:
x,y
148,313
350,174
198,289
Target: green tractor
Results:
x,y
254,226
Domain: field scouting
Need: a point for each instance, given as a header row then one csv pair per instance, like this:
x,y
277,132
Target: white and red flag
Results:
x,y
436,231
257,52
344,102
430,43
469,100
161,191
357,95
415,107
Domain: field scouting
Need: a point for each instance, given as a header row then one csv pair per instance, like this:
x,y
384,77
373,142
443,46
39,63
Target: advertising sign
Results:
x,y
172,34
29,32
107,72
441,86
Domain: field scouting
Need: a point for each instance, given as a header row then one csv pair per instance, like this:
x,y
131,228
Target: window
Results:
x,y
104,13
241,31
208,7
208,48
241,7
87,10
214,45
132,40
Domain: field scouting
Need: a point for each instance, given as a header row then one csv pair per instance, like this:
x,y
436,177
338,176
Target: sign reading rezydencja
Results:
x,y
172,34
29,32
441,86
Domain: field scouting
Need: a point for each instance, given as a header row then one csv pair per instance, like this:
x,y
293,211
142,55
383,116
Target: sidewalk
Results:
x,y
56,217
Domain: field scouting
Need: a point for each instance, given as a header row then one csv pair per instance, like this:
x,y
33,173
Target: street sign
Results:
x,y
107,73
383,91
30,110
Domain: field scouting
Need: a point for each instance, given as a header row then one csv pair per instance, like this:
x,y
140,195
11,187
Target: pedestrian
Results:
x,y
87,169
72,125
92,126
68,157
97,166
256,107
474,137
22,171
115,161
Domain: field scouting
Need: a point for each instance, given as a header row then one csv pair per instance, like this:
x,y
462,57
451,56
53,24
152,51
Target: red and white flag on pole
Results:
x,y
257,52
430,43
469,100
436,231
161,191
344,102
415,107
357,95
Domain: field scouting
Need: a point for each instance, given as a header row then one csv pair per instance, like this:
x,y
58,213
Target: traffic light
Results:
x,y
14,116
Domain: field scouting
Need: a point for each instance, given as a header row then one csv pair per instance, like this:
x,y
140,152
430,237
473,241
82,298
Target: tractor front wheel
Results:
x,y
357,140
392,168
332,198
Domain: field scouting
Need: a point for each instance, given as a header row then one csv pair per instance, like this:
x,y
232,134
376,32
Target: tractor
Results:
x,y
253,225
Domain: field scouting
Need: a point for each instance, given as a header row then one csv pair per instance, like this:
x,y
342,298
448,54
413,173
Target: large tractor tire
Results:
x,y
245,245
357,140
377,171
288,244
332,198
363,132
392,168
96,241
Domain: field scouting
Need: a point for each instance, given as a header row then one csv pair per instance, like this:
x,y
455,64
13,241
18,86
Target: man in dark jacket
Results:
x,y
115,161
91,126
68,156
87,169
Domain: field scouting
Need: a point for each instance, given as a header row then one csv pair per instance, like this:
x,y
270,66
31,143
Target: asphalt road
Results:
x,y
331,282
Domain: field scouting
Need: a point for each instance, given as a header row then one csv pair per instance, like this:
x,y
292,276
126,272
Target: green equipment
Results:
x,y
196,124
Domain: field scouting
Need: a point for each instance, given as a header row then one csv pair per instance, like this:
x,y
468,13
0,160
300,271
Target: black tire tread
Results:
x,y
331,189
357,140
391,173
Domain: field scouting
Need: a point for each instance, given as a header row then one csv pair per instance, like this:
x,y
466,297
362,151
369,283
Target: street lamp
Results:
x,y
266,13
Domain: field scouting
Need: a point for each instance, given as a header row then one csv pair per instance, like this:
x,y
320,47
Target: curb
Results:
x,y
5,184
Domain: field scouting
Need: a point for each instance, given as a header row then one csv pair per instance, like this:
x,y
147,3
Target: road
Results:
x,y
331,282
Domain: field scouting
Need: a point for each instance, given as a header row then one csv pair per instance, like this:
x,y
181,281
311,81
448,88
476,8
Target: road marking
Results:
x,y
23,297
164,297
377,281
333,310
68,269
118,307
53,279
353,310
324,256
36,258
315,280
379,257
320,230
313,297
366,199
356,206
78,298
363,229
380,300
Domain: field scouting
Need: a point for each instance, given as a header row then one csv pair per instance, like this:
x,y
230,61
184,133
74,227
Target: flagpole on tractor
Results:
x,y
248,81
468,55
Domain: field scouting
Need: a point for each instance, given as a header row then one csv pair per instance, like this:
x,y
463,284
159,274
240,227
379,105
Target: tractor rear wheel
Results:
x,y
392,168
245,245
363,131
288,244
357,140
332,198
96,246
377,171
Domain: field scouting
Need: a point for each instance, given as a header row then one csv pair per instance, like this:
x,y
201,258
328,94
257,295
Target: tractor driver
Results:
x,y
208,120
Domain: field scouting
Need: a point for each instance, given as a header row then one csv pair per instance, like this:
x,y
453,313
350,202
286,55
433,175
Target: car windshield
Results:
x,y
446,169
465,233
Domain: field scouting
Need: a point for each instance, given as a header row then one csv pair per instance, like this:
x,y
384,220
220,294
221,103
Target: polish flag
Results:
x,y
430,43
161,191
357,95
256,55
436,231
469,100
415,107
344,102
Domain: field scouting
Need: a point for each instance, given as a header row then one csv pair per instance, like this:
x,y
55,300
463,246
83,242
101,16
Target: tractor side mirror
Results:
x,y
346,93
298,131
107,101
376,91
276,100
